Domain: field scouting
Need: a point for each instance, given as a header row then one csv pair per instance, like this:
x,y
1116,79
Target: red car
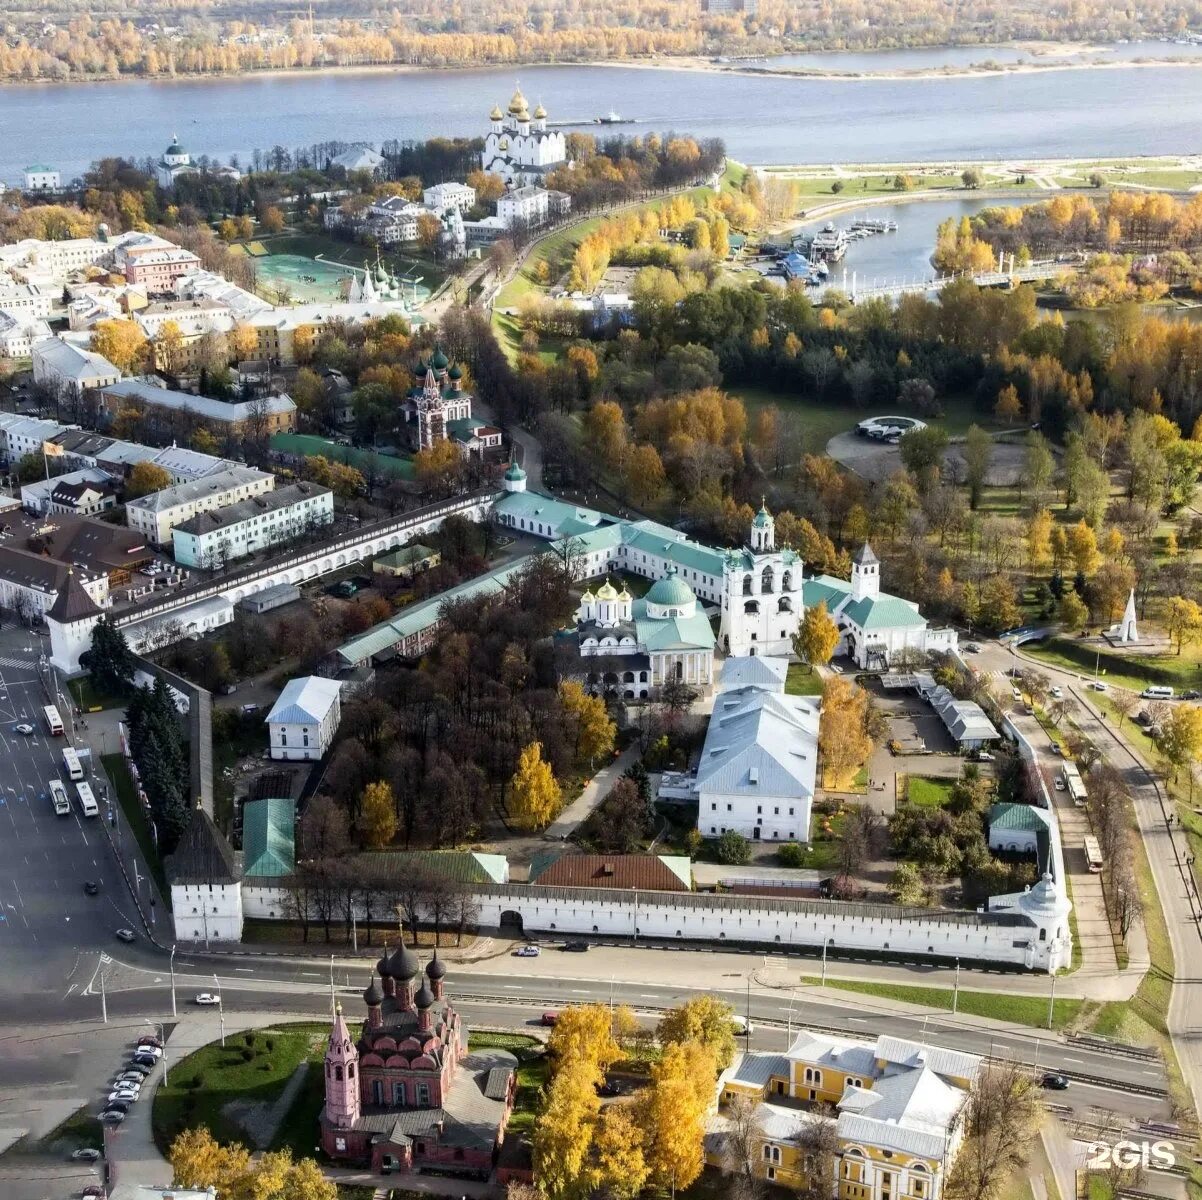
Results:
x,y
549,1018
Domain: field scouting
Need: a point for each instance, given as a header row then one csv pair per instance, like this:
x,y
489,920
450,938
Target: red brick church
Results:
x,y
408,1093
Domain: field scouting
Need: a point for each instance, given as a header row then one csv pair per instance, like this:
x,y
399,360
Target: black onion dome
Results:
x,y
403,964
373,994
382,966
436,968
424,997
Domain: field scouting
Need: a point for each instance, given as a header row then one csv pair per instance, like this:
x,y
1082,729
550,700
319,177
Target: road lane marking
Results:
x,y
245,970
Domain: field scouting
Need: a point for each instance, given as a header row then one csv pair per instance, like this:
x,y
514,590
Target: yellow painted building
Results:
x,y
897,1107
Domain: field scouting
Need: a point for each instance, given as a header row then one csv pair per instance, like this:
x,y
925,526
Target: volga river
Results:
x,y
762,118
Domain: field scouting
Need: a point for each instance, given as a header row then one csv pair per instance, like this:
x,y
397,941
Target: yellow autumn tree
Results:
x,y
1039,540
583,1034
644,474
198,1160
1083,548
123,343
620,1165
595,731
816,636
704,1019
564,1133
842,734
378,815
1008,407
673,1113
534,793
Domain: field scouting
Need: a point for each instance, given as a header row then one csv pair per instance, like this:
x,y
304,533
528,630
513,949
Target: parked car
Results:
x,y
1059,785
124,1094
742,1026
1191,695
1016,693
984,756
971,648
86,1154
127,935
121,1106
144,1066
208,998
1055,1081
526,952
549,1018
148,1039
1098,686
94,1191
1057,749
91,887
111,1116
152,1052
1057,693
577,947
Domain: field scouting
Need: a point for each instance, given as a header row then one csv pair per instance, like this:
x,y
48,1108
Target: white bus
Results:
x,y
87,802
1074,784
53,721
72,765
1093,855
58,798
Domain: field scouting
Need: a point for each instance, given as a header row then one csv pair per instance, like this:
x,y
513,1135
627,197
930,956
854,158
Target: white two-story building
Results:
x,y
303,721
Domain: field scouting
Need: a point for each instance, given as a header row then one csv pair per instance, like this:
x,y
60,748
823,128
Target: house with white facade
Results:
x,y
82,497
155,516
36,496
212,539
450,195
20,436
303,721
1019,829
206,887
530,207
25,300
42,178
30,584
758,768
68,370
19,333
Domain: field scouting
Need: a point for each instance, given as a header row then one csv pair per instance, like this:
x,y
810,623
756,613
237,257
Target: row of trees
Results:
x,y
160,754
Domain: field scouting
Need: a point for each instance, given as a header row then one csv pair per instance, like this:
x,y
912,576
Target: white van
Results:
x,y
1157,693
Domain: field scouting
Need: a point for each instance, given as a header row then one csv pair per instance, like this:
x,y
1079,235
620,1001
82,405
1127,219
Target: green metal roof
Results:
x,y
268,833
1017,817
406,555
882,612
671,633
515,472
308,445
671,591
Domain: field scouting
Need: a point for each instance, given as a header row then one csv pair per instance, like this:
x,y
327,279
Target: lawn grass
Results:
x,y
91,700
801,681
205,1082
822,854
1021,1010
927,791
354,254
79,1131
123,785
821,419
532,1074
1136,672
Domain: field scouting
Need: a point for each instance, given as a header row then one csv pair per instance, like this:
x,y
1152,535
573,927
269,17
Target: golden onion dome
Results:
x,y
540,113
517,103
496,114
607,591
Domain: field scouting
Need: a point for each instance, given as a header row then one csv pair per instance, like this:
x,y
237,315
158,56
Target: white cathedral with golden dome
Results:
x,y
519,146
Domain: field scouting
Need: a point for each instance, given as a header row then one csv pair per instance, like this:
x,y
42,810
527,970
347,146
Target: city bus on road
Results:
x,y
1074,784
87,802
53,721
58,798
1093,855
72,765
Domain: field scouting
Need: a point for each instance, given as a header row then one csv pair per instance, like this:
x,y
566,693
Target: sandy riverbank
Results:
x,y
1067,57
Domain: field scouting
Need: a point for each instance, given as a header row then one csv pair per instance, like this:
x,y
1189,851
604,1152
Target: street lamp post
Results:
x,y
824,945
956,990
333,1003
163,1044
220,1007
171,964
1052,1003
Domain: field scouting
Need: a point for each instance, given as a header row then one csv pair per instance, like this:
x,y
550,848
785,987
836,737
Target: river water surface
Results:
x,y
762,119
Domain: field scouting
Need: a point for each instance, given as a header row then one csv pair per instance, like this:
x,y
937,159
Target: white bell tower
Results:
x,y
865,574
763,531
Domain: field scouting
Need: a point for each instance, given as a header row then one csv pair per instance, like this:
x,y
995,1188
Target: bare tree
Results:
x,y
741,1149
464,912
1124,702
818,1141
1003,1113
